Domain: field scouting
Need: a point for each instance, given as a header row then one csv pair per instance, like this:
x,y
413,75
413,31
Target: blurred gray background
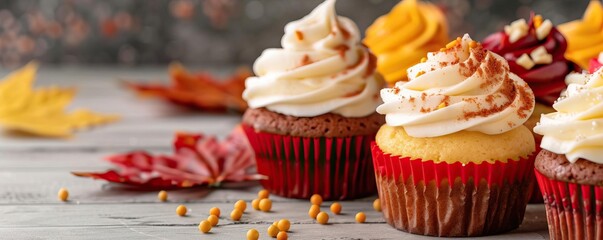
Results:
x,y
209,32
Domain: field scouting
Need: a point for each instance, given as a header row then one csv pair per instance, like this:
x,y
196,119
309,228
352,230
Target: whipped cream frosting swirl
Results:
x,y
576,129
461,87
322,68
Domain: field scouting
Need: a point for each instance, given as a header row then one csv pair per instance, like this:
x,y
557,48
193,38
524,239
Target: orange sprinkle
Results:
x,y
537,21
299,35
442,49
473,44
420,73
424,59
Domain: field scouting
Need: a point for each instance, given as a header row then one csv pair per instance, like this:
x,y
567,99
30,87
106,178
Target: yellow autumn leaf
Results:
x,y
41,111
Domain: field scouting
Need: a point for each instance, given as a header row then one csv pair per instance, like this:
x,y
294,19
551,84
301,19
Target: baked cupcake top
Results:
x,y
404,35
576,129
322,68
596,63
585,36
535,51
461,87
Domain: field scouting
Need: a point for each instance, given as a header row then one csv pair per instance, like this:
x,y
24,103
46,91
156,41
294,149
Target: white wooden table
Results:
x,y
33,169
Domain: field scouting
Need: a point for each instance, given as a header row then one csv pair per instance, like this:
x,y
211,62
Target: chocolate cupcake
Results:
x,y
569,169
312,109
454,158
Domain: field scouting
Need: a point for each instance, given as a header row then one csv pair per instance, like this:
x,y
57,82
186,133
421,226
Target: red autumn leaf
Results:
x,y
202,90
197,160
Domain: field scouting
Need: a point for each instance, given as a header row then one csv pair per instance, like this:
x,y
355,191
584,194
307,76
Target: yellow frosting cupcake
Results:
x,y
585,36
403,36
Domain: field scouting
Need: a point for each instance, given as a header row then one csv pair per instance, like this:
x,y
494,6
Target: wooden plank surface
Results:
x,y
33,169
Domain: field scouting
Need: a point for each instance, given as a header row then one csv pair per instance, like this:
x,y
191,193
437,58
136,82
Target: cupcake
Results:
x,y
569,169
585,36
403,36
535,51
312,109
454,158
596,63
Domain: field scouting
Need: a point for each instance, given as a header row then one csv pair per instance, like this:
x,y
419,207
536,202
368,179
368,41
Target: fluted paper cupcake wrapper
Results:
x,y
536,194
298,167
452,200
573,211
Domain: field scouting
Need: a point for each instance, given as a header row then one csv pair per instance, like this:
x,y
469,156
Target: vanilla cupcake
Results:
x,y
311,115
453,158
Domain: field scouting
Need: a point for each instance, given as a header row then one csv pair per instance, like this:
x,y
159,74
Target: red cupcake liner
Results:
x,y
298,167
452,200
573,211
536,194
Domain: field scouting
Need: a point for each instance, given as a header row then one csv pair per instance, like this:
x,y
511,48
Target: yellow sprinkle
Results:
x,y
424,59
181,210
204,226
360,217
272,231
282,236
214,211
236,214
162,196
314,210
442,105
316,199
63,194
255,204
537,21
442,49
283,225
322,218
213,219
253,234
265,205
263,194
241,205
420,73
377,205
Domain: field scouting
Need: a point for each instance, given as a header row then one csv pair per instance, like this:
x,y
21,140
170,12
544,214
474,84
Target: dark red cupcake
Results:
x,y
535,52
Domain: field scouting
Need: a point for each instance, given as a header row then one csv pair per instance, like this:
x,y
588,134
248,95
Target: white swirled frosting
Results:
x,y
576,129
322,68
461,87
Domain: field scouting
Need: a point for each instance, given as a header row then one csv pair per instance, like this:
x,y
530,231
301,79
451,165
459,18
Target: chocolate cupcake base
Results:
x,y
573,196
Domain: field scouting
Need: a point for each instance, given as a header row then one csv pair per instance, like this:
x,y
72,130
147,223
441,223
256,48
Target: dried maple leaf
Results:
x,y
197,160
41,111
201,90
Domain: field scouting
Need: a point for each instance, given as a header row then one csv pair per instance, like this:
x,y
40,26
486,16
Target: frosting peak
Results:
x,y
576,129
461,87
585,36
404,35
535,52
321,68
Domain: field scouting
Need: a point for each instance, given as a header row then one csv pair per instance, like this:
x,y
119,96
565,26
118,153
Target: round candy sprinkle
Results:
x,y
322,218
63,194
265,205
316,199
253,234
181,210
360,217
336,208
204,226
